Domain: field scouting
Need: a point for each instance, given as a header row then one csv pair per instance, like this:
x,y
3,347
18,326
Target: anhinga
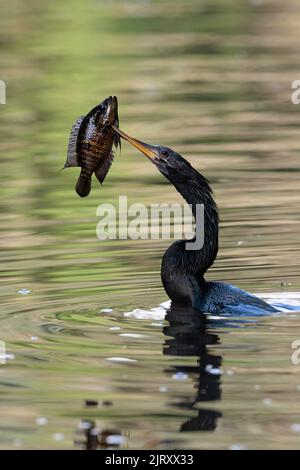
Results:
x,y
183,270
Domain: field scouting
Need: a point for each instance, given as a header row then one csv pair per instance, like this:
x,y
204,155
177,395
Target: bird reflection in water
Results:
x,y
91,437
188,336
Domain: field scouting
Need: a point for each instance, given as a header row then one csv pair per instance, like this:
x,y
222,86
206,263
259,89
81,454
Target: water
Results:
x,y
90,360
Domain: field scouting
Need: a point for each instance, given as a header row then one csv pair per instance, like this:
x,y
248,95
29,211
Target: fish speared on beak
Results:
x,y
148,150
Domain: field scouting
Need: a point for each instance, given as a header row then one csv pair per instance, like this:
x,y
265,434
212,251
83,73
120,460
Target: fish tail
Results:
x,y
83,185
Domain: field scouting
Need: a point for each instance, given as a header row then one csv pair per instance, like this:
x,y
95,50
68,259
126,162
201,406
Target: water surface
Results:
x,y
212,79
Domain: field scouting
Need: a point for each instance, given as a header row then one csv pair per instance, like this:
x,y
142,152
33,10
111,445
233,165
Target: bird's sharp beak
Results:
x,y
146,149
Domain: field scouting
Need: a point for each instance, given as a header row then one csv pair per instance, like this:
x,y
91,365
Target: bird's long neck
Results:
x,y
198,191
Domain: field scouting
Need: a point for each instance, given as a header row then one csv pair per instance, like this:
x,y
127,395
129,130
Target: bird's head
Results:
x,y
169,163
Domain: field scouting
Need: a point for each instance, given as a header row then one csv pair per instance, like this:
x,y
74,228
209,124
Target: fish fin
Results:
x,y
83,185
117,138
72,159
117,141
103,168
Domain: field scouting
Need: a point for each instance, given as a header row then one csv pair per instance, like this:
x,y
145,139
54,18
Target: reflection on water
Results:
x,y
211,79
189,337
91,437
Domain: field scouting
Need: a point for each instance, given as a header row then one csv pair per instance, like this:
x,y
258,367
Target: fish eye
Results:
x,y
164,152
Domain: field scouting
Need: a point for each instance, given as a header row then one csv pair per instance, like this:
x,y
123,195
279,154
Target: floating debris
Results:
x,y
120,359
163,389
41,421
107,310
91,403
34,338
115,328
24,291
257,387
229,372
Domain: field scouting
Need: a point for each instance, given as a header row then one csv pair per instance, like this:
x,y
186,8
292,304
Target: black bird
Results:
x,y
183,270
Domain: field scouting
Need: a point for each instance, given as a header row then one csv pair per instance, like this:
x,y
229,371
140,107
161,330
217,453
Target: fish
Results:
x,y
91,144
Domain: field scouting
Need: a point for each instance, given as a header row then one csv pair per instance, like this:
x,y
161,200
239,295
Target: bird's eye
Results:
x,y
164,153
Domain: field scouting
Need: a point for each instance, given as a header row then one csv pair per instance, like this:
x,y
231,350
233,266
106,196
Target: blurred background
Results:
x,y
211,79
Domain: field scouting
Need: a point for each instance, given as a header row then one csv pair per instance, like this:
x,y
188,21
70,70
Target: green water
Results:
x,y
211,79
